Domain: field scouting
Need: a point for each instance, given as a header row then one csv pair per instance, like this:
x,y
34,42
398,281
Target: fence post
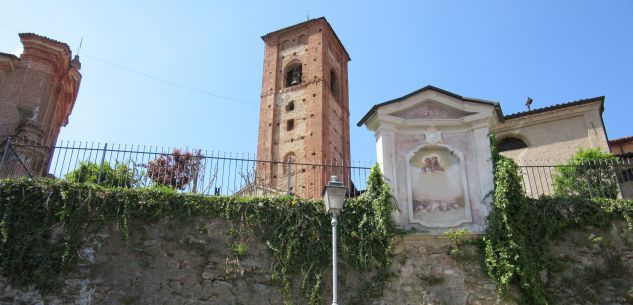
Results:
x,y
584,167
288,172
5,153
105,147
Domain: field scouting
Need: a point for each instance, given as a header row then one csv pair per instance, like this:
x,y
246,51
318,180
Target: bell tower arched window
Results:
x,y
333,83
293,74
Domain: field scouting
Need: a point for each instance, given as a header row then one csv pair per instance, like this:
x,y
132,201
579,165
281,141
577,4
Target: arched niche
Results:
x,y
289,159
437,187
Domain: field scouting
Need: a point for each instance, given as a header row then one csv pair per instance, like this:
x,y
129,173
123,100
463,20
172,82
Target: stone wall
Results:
x,y
425,273
194,263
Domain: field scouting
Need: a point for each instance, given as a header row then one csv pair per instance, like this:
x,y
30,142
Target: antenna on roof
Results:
x,y
528,103
80,43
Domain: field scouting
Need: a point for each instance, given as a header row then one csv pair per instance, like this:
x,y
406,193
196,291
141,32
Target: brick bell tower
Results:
x,y
304,115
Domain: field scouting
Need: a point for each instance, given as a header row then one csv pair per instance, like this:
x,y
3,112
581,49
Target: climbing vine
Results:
x,y
520,228
42,223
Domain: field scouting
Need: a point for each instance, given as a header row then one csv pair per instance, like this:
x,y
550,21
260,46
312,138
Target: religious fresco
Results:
x,y
438,197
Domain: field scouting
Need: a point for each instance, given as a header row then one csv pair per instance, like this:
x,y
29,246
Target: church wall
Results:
x,y
9,89
459,141
37,93
449,134
553,137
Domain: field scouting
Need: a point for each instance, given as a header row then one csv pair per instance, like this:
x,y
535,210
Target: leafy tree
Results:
x,y
120,175
175,170
589,173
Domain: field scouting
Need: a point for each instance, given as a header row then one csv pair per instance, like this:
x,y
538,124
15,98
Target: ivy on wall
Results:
x,y
520,228
42,223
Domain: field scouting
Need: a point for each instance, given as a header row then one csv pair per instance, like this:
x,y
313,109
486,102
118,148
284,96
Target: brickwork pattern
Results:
x,y
319,115
37,92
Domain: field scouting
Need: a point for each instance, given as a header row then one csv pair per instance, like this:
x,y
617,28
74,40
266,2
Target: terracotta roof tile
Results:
x,y
620,140
557,106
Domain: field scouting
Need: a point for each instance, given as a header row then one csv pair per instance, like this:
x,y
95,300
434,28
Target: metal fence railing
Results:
x,y
196,171
222,173
602,178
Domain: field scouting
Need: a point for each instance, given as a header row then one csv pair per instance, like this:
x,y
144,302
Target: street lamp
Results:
x,y
334,199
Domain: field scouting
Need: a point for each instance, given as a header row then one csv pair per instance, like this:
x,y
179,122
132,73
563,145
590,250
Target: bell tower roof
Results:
x,y
309,21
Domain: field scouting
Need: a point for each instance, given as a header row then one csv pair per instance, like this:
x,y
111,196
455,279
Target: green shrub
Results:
x,y
589,173
121,175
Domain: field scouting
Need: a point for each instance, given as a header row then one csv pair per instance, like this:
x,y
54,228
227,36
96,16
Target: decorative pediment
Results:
x,y
430,110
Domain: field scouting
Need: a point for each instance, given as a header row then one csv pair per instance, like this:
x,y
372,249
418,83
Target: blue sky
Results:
x,y
552,51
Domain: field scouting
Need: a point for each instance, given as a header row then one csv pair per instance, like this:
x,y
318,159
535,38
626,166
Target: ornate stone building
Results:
x,y
304,116
434,150
37,94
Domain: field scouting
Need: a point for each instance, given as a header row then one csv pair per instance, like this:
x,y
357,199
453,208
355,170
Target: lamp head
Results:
x,y
334,195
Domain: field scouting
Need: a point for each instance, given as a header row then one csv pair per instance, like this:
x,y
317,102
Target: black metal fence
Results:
x,y
186,170
224,173
602,178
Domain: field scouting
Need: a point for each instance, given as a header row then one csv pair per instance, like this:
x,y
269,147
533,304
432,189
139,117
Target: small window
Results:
x,y
302,39
290,125
290,106
511,144
333,83
293,75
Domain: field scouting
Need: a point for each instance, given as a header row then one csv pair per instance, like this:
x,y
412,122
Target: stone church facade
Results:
x,y
433,148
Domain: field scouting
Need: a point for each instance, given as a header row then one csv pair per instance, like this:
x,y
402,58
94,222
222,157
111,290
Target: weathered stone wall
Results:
x,y
194,263
592,266
425,273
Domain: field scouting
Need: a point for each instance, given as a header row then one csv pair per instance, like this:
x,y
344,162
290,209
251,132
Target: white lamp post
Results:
x,y
334,199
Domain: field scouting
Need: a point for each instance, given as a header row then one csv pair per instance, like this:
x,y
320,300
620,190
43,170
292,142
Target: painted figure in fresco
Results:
x,y
428,166
436,164
437,193
432,165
